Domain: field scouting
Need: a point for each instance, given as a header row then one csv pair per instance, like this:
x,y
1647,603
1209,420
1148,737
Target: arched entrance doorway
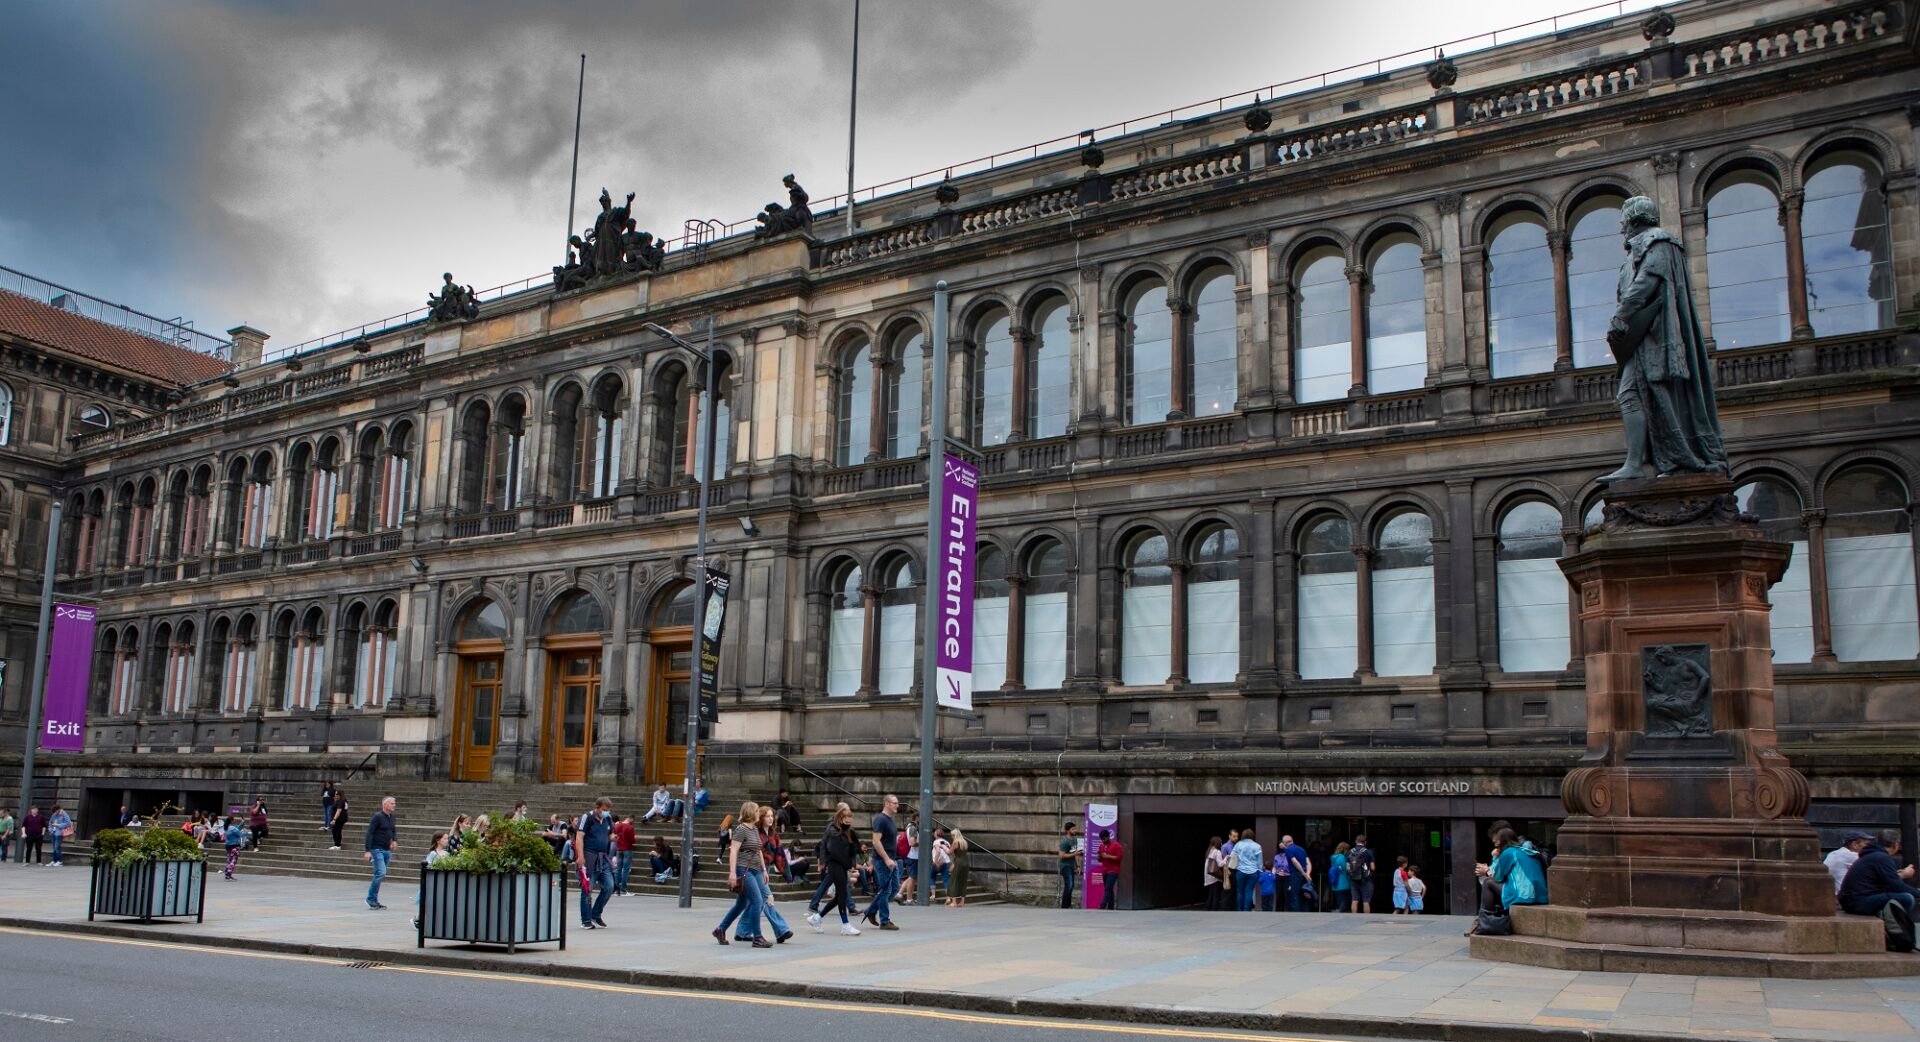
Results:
x,y
575,635
672,685
480,651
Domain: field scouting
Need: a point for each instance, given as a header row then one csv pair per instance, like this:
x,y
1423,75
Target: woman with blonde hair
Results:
x,y
957,882
743,862
838,852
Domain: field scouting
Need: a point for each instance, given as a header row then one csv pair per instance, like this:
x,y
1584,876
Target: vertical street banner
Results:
x,y
1100,817
711,623
68,667
953,587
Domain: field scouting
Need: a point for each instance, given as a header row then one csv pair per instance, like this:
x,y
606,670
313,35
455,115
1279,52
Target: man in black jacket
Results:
x,y
380,847
1877,880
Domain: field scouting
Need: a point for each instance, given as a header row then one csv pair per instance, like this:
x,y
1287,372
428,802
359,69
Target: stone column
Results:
x,y
1016,633
869,638
1557,244
1179,314
1088,336
1790,204
1286,628
1816,522
1363,610
1462,605
1357,327
1108,618
1260,609
1022,347
1253,324
877,414
1085,656
1177,641
1280,360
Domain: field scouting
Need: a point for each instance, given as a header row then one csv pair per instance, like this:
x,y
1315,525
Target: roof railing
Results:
x,y
178,332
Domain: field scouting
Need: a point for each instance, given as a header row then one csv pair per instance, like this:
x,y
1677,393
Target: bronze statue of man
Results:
x,y
1666,379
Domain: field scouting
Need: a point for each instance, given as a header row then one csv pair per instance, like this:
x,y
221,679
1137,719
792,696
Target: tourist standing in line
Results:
x,y
1299,875
1360,874
340,816
32,828
885,835
327,794
743,859
1338,879
623,840
1247,856
1212,872
1400,885
1069,862
60,826
381,842
6,834
1416,891
1112,855
233,837
593,848
957,881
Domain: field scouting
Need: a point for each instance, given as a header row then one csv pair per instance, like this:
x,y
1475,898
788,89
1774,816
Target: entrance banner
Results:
x,y
1099,816
711,623
68,669
953,588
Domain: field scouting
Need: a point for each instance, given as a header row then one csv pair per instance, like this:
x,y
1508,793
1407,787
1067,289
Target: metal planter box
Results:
x,y
510,908
149,890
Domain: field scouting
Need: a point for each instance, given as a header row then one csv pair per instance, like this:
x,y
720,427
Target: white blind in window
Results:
x,y
896,647
843,651
1146,635
1533,599
989,643
1046,641
1792,617
1870,597
1403,621
1329,626
1213,631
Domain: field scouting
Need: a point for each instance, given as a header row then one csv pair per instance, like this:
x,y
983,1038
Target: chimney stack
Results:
x,y
248,345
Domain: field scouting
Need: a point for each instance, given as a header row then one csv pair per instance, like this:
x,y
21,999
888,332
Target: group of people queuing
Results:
x,y
1238,875
33,833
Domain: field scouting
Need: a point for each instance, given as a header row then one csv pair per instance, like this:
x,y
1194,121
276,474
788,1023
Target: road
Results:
x,y
63,988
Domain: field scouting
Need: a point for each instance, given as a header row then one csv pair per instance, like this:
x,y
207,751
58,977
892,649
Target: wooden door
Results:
x,y
573,690
667,723
476,717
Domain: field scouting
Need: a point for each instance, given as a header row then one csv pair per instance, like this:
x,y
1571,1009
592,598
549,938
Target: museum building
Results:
x,y
1286,408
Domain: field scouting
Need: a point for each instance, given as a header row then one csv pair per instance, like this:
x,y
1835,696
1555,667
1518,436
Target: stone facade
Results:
x,y
1140,353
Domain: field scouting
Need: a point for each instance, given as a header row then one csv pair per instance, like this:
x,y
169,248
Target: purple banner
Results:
x,y
68,668
953,599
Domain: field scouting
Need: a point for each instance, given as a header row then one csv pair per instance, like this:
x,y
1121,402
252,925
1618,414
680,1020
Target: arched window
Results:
x,y
1403,596
563,475
678,611
124,693
473,492
1147,358
1520,308
1396,316
1146,611
1777,506
323,485
993,379
92,521
122,527
484,621
1213,346
577,612
300,468
1593,274
899,623
991,599
1849,246
846,631
178,695
306,661
906,374
1043,612
602,432
197,530
722,422
1323,328
1049,370
93,418
1328,601
237,691
1213,607
6,414
1530,593
853,440
677,426
379,646
1746,261
1869,552
140,524
259,502
175,514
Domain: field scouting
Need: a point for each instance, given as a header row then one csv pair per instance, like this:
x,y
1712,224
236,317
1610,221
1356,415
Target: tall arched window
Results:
x,y
174,512
323,485
602,433
140,524
259,502
473,491
300,468
1746,261
237,691
91,523
124,694
899,623
1396,316
1520,306
722,422
177,697
305,678
121,529
1593,274
846,631
379,646
396,495
1869,551
855,415
1403,596
680,404
1849,246
1530,593
1049,370
564,413
1213,607
1043,616
906,375
1147,358
1213,346
1146,611
1777,506
6,414
197,529
1328,601
505,443
991,598
993,379
1323,327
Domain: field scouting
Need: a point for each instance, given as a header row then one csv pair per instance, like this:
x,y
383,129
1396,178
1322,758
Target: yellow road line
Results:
x,y
249,953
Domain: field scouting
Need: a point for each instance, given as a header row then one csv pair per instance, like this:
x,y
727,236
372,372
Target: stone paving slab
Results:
x,y
1345,974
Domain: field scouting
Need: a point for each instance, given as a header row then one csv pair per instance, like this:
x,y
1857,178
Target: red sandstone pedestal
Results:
x,y
1687,848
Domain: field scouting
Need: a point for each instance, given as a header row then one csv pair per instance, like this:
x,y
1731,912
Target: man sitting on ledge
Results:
x,y
1877,880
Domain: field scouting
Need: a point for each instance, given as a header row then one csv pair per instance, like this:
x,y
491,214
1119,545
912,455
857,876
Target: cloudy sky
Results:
x,y
306,165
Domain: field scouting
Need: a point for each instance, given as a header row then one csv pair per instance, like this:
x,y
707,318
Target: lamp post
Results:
x,y
37,694
700,613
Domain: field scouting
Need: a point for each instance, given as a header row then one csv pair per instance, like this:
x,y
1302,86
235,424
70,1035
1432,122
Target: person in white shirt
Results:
x,y
1845,855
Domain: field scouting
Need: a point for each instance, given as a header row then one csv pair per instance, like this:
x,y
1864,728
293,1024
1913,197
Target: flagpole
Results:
x,y
853,100
573,184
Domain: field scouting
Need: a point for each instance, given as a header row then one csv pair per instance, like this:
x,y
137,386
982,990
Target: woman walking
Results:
x,y
340,816
232,837
772,915
957,885
60,825
838,850
1337,877
743,863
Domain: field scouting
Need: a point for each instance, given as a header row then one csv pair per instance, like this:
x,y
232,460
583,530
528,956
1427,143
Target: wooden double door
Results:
x,y
667,702
476,715
573,691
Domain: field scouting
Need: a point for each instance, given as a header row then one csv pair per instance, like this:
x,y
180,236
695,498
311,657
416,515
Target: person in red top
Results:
x,y
623,853
1111,855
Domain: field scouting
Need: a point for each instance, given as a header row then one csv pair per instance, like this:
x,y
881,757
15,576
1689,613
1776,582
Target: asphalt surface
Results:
x,y
55,989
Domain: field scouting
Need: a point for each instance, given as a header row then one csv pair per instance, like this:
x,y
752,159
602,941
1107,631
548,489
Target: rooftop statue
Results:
x,y
795,216
639,250
453,302
579,267
604,238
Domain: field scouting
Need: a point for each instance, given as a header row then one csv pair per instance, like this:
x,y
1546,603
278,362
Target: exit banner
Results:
x,y
68,668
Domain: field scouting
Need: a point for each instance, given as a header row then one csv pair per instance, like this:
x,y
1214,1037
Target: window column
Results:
x,y
1179,311
1022,348
1790,203
1016,628
1357,335
876,407
1562,304
1363,610
869,639
1177,640
1816,522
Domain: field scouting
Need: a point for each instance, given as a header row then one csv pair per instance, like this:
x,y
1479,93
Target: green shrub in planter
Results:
x,y
507,846
504,887
110,844
168,844
159,873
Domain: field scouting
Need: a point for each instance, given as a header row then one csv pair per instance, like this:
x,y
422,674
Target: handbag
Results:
x,y
1494,924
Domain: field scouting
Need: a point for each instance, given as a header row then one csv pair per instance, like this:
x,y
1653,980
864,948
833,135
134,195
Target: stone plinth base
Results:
x,y
1720,944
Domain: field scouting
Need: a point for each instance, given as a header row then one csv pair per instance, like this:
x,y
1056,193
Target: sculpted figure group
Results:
x,y
614,245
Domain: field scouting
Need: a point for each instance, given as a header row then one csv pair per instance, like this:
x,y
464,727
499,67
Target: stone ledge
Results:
x,y
1704,930
1549,953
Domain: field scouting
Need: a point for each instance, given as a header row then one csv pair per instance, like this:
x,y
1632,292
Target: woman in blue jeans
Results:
x,y
743,865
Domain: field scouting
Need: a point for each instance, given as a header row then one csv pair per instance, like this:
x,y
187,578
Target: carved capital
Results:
x,y
1448,202
1090,272
1256,240
1666,162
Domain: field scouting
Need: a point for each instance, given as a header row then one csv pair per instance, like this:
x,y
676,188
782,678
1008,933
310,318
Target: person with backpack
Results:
x,y
1876,882
1520,870
593,849
1360,874
233,838
1338,881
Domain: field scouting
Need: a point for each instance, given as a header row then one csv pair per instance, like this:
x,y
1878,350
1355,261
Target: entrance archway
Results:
x,y
575,636
480,647
672,685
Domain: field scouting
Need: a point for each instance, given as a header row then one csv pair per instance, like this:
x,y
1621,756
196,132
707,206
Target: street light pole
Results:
x,y
37,694
705,457
930,638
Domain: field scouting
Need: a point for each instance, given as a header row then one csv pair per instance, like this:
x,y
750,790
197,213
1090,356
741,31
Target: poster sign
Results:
x,y
1101,817
68,669
953,592
711,623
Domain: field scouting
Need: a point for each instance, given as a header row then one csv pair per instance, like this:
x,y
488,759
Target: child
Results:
x,y
1416,891
233,838
436,852
1400,886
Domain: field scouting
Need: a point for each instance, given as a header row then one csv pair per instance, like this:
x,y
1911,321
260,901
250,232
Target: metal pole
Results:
x,y
936,491
37,694
700,554
853,101
573,186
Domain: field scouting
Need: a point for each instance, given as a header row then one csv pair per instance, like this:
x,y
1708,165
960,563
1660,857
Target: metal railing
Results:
x,y
176,331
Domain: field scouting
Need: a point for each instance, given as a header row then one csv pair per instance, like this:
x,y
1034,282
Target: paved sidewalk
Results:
x,y
1326,973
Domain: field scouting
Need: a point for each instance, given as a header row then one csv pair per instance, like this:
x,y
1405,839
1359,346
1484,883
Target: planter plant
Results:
x,y
159,874
504,887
